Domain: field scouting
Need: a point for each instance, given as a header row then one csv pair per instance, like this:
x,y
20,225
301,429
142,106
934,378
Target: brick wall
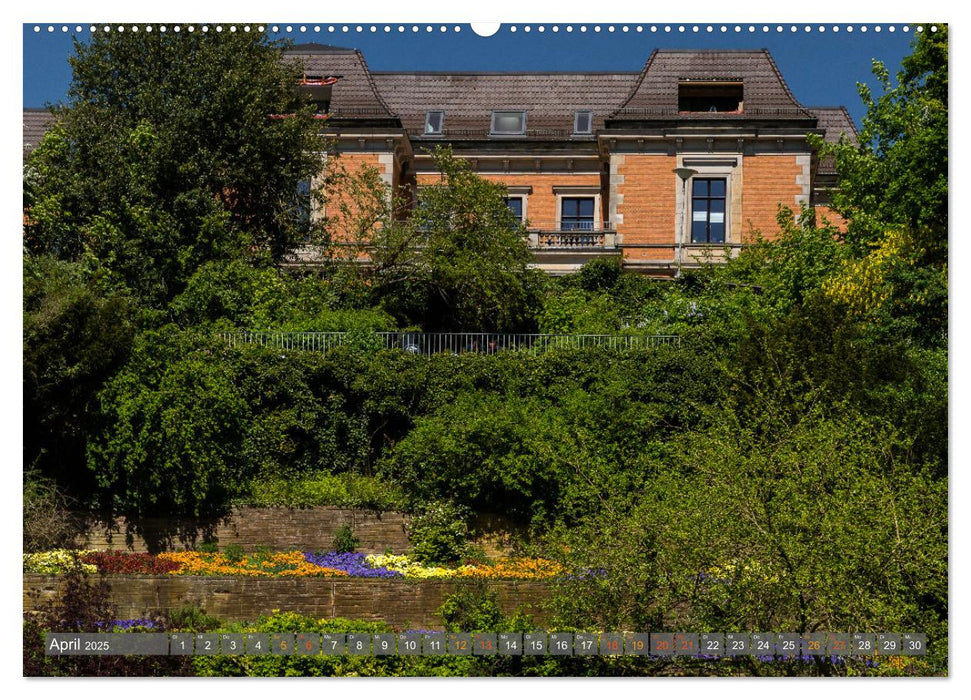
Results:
x,y
645,201
826,215
343,227
402,604
768,181
541,204
276,528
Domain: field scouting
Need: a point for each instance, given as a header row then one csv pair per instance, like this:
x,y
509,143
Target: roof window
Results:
x,y
710,96
434,122
507,123
583,122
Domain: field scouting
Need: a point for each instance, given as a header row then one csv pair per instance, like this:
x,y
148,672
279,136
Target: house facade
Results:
x,y
679,163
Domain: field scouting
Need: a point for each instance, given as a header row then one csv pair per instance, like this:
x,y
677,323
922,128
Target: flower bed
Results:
x,y
279,564
284,564
126,563
506,569
56,562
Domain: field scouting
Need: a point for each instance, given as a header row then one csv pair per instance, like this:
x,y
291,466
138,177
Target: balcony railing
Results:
x,y
439,343
574,235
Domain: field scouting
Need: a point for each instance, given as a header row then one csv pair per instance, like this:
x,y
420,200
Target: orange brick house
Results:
x,y
677,163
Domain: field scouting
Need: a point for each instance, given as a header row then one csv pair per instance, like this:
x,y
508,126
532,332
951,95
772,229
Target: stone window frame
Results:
x,y
727,167
522,192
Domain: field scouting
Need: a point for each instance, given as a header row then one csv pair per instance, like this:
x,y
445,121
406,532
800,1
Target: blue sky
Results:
x,y
822,68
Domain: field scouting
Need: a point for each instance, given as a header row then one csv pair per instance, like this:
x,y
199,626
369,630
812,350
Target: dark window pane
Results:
x,y
716,233
699,232
586,207
515,205
698,205
582,123
717,188
699,188
717,205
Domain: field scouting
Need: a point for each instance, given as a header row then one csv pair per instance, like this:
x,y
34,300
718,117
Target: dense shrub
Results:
x,y
344,540
48,521
439,534
322,489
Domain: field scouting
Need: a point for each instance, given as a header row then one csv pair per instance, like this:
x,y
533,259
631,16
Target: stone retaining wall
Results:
x,y
402,604
277,528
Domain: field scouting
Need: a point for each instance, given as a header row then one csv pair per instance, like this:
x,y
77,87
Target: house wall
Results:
x,y
643,193
541,204
341,227
825,214
771,180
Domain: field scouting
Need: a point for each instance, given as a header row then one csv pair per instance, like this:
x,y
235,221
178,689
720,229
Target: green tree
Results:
x,y
77,333
461,260
898,176
167,155
821,528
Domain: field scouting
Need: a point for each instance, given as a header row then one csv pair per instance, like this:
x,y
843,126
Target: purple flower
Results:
x,y
125,624
351,562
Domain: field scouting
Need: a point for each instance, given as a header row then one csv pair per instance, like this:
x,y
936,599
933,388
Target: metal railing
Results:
x,y
436,343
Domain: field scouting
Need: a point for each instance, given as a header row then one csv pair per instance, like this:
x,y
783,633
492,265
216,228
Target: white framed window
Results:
x,y
583,122
713,200
578,208
508,123
434,122
708,197
517,199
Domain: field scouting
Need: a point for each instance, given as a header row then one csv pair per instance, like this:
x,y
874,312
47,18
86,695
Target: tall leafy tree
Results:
x,y
897,178
172,152
461,261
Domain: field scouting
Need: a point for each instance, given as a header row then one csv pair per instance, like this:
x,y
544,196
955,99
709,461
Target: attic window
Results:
x,y
583,122
504,123
434,122
317,90
710,96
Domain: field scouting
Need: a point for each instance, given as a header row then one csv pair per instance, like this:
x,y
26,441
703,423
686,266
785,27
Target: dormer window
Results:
x,y
583,122
508,123
317,90
710,96
434,122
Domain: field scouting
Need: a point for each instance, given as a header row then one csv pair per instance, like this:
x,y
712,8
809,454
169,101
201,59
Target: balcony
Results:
x,y
575,236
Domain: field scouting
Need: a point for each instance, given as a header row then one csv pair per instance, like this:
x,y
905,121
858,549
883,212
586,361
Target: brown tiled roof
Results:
x,y
468,100
655,94
354,96
835,121
36,124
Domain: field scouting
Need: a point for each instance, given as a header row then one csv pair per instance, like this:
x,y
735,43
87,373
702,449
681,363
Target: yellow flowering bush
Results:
x,y
860,284
55,562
